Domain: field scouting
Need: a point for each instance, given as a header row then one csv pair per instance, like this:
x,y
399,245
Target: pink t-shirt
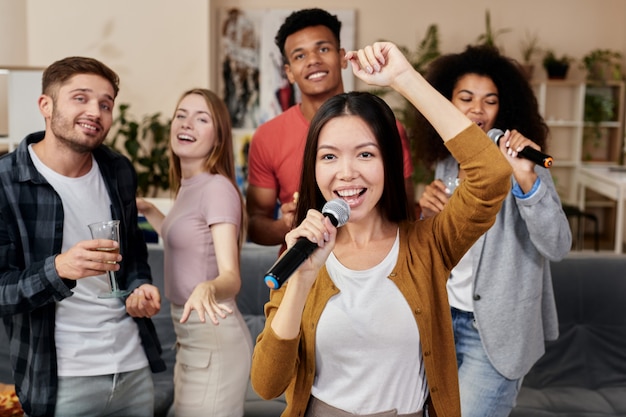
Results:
x,y
189,255
275,157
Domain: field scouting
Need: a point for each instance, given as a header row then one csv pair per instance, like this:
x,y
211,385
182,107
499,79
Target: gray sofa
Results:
x,y
255,261
582,374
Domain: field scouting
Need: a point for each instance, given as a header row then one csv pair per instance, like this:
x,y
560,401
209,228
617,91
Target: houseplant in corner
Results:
x,y
529,48
146,143
603,65
599,107
427,50
488,38
556,67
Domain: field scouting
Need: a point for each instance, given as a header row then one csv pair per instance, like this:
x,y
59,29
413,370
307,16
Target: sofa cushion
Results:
x,y
256,260
583,372
163,381
255,406
570,402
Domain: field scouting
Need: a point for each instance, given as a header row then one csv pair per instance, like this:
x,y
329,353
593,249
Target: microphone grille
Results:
x,y
339,209
495,135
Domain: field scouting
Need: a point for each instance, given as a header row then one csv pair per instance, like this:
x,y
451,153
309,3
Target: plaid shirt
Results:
x,y
31,232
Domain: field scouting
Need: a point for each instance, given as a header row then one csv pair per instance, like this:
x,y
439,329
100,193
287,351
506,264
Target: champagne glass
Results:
x,y
451,183
109,229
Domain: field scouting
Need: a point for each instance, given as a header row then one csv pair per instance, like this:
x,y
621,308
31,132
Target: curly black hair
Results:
x,y
305,18
518,104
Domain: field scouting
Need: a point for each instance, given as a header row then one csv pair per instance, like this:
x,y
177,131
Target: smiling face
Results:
x,y
477,97
315,61
349,165
192,134
80,111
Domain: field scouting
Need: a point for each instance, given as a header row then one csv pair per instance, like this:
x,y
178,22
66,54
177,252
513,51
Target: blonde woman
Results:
x,y
202,235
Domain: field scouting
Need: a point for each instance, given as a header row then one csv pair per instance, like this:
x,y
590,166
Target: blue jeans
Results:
x,y
484,391
124,394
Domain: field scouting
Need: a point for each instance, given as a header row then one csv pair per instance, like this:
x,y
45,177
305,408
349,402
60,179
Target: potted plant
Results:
x,y
427,50
529,48
599,107
146,143
489,37
556,67
603,65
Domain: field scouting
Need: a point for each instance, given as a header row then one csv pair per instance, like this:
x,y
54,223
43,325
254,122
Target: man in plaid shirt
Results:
x,y
73,353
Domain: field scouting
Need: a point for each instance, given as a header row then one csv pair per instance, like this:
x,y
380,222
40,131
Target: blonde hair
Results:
x,y
220,159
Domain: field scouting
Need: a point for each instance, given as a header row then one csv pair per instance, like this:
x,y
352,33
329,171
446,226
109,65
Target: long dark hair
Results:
x,y
393,203
518,104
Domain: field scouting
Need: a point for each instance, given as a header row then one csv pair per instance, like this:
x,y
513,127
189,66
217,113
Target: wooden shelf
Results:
x,y
573,140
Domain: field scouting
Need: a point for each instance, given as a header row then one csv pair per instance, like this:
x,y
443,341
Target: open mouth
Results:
x,y
185,138
316,75
352,195
89,126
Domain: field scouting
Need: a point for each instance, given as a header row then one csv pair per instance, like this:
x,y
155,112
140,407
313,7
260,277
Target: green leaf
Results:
x,y
146,144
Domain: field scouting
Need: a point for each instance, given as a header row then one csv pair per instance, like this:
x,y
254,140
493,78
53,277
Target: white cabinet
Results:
x,y
561,104
19,90
574,141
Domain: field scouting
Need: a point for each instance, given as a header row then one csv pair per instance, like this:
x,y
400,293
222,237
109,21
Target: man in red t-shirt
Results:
x,y
309,43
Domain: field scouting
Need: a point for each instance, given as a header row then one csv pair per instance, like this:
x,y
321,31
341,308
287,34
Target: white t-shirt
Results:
x,y
367,349
93,336
460,285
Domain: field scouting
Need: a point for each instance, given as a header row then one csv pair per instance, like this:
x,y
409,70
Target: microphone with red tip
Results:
x,y
338,211
527,152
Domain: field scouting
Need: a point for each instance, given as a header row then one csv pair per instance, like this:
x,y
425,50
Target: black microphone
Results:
x,y
338,211
527,152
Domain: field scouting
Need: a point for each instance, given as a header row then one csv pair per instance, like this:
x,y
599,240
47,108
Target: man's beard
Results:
x,y
64,132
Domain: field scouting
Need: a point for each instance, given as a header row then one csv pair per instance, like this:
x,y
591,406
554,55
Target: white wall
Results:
x,y
159,48
13,33
13,49
162,47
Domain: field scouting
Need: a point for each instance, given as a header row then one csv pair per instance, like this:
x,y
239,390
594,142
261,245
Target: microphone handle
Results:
x,y
536,156
287,264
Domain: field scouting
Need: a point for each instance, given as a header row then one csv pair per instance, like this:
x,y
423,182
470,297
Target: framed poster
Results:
x,y
241,145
